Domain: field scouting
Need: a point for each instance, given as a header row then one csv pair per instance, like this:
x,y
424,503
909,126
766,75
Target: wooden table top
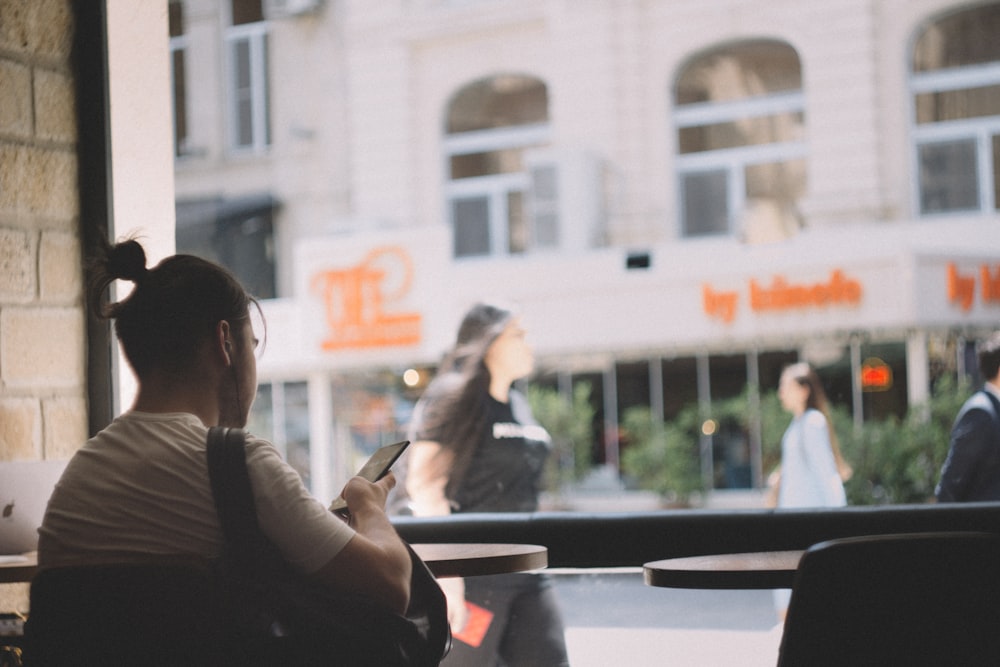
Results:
x,y
19,568
444,560
756,570
469,560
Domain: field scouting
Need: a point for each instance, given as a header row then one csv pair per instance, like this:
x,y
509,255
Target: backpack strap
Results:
x,y
996,406
230,481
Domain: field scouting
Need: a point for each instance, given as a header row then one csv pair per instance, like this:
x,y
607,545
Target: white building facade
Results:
x,y
679,196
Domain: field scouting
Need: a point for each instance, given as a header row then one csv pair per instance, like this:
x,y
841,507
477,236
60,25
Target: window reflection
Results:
x,y
491,126
956,106
741,129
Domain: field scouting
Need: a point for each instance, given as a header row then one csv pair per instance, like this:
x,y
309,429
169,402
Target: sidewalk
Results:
x,y
602,491
655,647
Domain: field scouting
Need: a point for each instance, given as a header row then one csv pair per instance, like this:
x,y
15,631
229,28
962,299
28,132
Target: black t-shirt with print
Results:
x,y
506,469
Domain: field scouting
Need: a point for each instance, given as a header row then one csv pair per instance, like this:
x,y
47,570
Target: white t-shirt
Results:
x,y
141,486
809,476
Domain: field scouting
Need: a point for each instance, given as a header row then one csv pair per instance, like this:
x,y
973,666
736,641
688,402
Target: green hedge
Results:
x,y
894,460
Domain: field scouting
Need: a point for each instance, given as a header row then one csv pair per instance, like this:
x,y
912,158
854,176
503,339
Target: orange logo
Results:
x,y
355,298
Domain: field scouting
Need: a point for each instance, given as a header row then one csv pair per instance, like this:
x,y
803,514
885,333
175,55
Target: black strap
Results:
x,y
996,406
230,481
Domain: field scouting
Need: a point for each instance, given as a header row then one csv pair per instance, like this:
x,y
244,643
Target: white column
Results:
x,y
320,440
917,368
141,138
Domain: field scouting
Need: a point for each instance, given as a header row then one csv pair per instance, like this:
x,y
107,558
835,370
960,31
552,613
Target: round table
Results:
x,y
472,559
756,570
444,560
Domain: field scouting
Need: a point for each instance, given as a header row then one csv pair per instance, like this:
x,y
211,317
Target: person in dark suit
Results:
x,y
971,471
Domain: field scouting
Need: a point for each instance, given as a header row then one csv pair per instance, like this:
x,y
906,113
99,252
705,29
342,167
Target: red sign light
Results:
x,y
876,375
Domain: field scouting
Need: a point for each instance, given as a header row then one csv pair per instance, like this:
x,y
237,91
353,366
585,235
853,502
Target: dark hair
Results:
x,y
988,353
454,407
172,309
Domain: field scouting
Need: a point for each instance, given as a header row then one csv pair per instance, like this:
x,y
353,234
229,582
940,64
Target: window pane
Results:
x,y
545,205
509,161
471,218
706,203
296,411
264,92
499,101
744,132
175,18
261,419
247,11
680,385
546,230
242,93
958,104
965,38
180,100
740,71
948,177
518,234
996,172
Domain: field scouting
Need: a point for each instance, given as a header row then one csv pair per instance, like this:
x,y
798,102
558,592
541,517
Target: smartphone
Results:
x,y
374,469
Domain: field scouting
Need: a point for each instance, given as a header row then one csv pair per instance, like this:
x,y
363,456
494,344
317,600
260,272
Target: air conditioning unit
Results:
x,y
282,9
567,201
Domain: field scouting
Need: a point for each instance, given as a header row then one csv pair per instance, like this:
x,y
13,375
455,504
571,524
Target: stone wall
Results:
x,y
43,393
42,341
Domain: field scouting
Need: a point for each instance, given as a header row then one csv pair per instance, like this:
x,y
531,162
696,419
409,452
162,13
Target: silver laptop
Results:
x,y
25,487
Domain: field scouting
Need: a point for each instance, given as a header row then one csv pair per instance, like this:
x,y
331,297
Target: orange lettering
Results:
x,y
353,300
719,304
991,284
839,290
961,289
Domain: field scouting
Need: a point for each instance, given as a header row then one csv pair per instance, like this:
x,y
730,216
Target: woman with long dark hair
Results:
x,y
477,448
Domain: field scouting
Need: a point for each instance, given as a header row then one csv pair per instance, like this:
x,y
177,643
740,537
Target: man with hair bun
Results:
x,y
140,488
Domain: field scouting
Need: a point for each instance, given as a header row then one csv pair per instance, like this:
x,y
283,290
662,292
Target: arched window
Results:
x,y
955,81
740,118
490,125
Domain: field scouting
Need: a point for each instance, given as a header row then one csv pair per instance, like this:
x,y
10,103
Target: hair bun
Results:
x,y
127,261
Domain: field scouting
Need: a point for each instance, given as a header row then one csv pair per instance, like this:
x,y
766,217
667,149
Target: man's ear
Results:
x,y
223,342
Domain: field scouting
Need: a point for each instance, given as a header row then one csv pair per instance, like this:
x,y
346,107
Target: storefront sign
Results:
x,y
876,375
356,299
782,295
962,287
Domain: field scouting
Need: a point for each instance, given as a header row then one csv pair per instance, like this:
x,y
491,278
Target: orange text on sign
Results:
x,y
781,295
354,301
962,286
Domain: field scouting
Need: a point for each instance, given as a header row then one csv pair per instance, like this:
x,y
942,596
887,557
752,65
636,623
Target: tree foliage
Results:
x,y
570,424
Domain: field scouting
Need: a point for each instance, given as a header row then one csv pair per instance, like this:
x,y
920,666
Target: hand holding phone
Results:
x,y
374,469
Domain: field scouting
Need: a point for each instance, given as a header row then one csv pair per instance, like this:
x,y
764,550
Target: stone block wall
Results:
x,y
43,392
43,395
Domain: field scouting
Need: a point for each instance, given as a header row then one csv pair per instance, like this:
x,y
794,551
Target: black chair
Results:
x,y
162,615
906,599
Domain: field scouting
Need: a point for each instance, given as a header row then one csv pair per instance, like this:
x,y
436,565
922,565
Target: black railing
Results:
x,y
629,539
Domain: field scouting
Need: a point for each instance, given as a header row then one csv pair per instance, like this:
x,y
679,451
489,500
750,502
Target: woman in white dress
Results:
x,y
812,468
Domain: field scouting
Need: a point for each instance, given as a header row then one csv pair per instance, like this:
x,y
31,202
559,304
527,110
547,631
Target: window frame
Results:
x,y
255,35
732,161
981,131
496,188
178,47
